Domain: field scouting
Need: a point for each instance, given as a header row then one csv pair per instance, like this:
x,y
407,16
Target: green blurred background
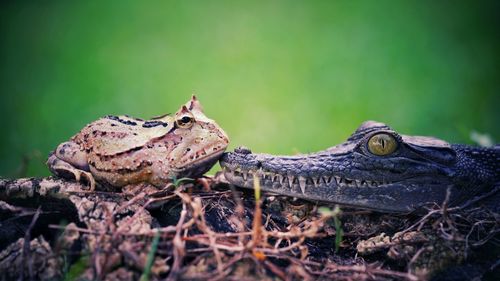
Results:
x,y
278,76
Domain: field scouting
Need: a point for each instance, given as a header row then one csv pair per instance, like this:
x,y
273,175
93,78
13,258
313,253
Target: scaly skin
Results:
x,y
418,171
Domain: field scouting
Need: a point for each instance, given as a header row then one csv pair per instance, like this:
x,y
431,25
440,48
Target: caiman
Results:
x,y
376,168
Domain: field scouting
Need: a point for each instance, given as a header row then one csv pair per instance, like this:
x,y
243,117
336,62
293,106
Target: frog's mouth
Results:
x,y
199,166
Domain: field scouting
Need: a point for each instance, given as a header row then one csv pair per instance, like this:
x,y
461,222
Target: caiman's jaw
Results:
x,y
378,193
241,166
299,184
413,171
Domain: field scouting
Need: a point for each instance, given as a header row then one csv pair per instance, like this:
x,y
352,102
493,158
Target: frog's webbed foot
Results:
x,y
65,170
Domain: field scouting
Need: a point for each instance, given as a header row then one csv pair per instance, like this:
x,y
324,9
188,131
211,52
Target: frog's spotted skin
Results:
x,y
121,150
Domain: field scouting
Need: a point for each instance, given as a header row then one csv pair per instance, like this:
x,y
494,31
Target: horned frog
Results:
x,y
120,150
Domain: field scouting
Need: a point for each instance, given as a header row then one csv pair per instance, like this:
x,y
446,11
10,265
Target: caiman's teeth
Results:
x,y
316,181
302,184
259,172
277,178
338,180
283,180
236,172
328,180
250,174
321,180
301,181
290,180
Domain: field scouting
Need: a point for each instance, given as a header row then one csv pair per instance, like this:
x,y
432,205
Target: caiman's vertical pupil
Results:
x,y
382,144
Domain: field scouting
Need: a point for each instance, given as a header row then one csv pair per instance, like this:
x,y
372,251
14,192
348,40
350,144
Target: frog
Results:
x,y
117,151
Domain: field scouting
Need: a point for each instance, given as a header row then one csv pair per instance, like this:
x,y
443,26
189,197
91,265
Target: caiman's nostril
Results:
x,y
242,150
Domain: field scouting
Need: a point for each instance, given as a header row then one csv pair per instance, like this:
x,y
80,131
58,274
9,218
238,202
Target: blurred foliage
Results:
x,y
278,76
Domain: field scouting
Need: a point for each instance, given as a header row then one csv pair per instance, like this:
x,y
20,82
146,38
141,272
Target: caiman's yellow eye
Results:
x,y
382,144
185,121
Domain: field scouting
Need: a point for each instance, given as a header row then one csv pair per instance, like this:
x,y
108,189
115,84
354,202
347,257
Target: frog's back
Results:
x,y
113,135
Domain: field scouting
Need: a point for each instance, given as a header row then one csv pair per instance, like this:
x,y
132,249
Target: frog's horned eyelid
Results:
x,y
184,109
194,104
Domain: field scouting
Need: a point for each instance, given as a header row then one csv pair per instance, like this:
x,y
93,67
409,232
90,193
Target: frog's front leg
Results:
x,y
69,161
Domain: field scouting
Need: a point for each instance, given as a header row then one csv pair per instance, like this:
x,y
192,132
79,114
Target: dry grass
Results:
x,y
212,231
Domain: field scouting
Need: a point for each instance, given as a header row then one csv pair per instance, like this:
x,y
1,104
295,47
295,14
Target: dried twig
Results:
x,y
26,253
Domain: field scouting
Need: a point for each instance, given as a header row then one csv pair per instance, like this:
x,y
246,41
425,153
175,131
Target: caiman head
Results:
x,y
376,168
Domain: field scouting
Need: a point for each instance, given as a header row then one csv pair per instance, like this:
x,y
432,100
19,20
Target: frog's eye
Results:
x,y
185,121
382,144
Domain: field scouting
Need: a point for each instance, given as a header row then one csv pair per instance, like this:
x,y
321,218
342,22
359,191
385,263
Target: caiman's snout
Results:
x,y
241,166
241,158
242,150
331,177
